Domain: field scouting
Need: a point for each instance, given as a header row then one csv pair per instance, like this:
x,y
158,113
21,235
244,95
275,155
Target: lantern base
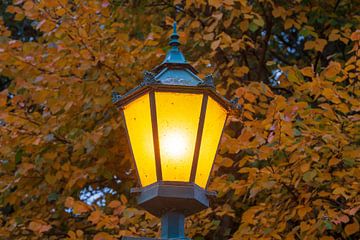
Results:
x,y
162,197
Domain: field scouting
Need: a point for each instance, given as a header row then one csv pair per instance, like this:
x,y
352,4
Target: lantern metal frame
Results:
x,y
150,89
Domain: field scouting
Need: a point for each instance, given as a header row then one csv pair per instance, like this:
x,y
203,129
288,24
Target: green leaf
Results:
x,y
328,224
297,132
309,175
18,156
53,197
253,27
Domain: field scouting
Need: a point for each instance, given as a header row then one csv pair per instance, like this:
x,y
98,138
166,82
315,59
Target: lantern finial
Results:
x,y
174,38
174,55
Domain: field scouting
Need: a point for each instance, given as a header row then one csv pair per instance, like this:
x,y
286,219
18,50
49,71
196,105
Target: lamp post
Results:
x,y
174,121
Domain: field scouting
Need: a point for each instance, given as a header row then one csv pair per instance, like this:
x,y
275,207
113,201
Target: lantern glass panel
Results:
x,y
139,127
213,126
178,120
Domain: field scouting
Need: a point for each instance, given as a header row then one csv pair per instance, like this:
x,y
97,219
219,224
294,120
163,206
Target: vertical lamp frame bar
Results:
x,y
198,138
155,135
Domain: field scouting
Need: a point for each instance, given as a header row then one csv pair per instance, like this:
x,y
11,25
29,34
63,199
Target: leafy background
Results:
x,y
288,165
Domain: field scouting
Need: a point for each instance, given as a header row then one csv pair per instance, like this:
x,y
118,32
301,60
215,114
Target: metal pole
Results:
x,y
172,226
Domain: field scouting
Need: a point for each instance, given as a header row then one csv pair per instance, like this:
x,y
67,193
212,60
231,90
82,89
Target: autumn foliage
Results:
x,y
288,165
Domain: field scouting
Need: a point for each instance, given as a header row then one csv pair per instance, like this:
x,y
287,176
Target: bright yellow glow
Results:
x,y
178,119
213,127
138,122
174,144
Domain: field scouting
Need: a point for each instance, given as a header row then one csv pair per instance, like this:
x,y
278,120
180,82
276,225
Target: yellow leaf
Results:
x,y
331,95
248,115
169,21
307,71
288,23
333,36
215,44
320,44
249,216
3,98
250,97
244,25
305,167
215,3
302,211
83,33
85,54
60,11
195,24
208,37
309,45
241,71
229,2
51,3
333,162
332,70
51,179
123,199
72,235
279,12
227,162
352,228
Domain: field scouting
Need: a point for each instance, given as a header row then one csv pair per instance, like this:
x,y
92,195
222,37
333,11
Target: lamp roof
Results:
x,y
175,70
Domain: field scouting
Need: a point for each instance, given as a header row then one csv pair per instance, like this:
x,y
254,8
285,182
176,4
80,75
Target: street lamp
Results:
x,y
174,121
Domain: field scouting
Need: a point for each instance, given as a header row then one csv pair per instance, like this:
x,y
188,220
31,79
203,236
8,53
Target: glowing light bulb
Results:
x,y
175,144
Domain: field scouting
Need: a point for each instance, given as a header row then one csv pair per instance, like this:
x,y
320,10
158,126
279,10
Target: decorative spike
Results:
x,y
149,78
174,38
208,81
115,96
234,104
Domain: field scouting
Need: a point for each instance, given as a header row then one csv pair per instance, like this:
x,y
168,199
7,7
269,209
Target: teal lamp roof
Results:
x,y
175,70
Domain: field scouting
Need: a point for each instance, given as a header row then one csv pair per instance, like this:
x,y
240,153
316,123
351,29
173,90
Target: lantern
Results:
x,y
174,121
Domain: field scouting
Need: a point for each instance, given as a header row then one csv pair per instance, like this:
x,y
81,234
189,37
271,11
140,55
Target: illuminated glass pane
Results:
x,y
138,122
213,126
178,119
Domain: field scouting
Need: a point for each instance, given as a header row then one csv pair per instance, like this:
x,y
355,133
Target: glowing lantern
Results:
x,y
174,122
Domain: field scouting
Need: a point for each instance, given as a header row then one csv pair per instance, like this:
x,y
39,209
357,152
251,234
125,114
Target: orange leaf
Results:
x,y
123,199
69,202
227,162
241,71
215,3
94,217
332,70
215,44
39,226
307,71
103,236
114,204
80,207
249,216
305,167
352,228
